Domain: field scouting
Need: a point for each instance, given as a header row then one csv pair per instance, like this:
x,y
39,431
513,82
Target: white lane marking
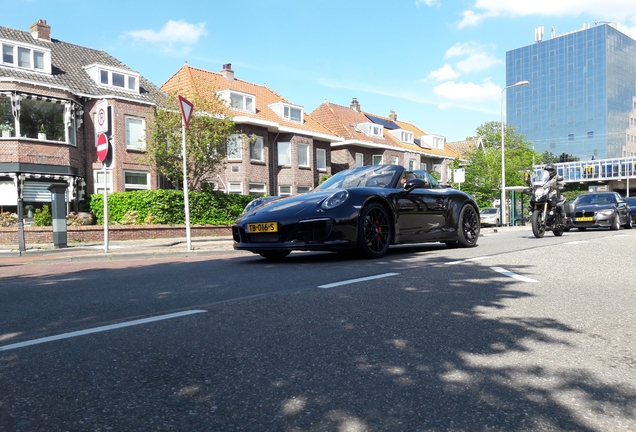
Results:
x,y
350,281
467,260
512,275
623,235
576,242
99,329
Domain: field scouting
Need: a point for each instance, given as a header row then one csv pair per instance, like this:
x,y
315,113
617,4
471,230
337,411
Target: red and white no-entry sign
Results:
x,y
102,147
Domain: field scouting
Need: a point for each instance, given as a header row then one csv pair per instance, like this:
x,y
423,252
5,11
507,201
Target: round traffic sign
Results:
x,y
102,147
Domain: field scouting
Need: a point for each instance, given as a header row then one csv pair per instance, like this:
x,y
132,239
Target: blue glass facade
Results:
x,y
582,94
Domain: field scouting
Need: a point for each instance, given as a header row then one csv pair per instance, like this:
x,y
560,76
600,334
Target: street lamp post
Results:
x,y
502,202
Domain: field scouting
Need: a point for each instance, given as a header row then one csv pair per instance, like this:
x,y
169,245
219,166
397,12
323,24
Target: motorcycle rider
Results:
x,y
555,195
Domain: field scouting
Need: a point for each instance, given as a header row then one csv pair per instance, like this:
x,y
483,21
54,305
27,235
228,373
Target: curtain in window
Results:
x,y
134,132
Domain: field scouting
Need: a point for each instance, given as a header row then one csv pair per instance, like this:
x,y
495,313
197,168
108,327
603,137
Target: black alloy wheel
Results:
x,y
468,227
538,227
274,255
374,231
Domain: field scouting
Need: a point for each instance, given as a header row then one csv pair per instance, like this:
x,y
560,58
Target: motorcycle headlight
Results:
x,y
540,192
606,212
334,200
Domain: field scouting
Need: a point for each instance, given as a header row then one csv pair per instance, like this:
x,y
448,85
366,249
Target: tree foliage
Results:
x,y
483,172
206,140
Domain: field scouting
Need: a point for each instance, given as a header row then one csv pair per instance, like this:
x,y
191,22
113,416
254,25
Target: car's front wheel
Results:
x,y
374,231
628,225
468,227
616,222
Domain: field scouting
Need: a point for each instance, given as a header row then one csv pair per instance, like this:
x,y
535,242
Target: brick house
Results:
x,y
291,150
371,139
48,93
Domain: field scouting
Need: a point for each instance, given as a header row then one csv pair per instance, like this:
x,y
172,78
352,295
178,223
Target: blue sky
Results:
x,y
437,63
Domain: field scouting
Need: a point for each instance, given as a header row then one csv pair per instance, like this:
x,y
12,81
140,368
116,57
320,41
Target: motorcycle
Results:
x,y
547,206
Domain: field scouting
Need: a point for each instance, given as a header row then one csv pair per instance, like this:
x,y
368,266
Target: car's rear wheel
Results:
x,y
538,227
274,255
616,222
374,231
467,227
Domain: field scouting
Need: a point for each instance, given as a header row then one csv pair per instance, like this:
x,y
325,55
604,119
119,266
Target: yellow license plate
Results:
x,y
584,219
263,227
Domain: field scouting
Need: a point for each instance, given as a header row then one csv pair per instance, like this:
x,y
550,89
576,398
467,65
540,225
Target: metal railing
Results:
x,y
596,170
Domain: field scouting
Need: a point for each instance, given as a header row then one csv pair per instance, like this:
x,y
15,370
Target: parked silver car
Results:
x,y
489,216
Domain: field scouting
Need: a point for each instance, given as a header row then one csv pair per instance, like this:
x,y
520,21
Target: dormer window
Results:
x,y
403,135
239,101
28,57
108,76
371,129
293,113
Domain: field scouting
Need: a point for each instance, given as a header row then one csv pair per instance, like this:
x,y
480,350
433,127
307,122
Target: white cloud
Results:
x,y
445,73
620,11
477,57
468,91
427,3
173,32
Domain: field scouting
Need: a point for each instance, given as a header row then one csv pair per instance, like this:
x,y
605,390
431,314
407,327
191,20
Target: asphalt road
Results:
x,y
516,334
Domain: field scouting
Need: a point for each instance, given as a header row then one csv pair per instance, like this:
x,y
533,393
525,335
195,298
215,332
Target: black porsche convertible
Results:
x,y
366,209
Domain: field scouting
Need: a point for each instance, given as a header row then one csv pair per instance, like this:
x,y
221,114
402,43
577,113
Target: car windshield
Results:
x,y
489,211
424,175
598,199
384,176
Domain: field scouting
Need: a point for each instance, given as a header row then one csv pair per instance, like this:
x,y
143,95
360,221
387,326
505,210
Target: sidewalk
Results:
x,y
154,248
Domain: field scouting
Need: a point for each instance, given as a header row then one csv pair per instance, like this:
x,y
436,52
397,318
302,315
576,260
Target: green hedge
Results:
x,y
167,207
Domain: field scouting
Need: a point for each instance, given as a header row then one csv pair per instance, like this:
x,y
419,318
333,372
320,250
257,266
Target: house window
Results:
x,y
136,180
394,160
239,101
321,159
284,190
411,165
24,58
256,150
377,160
39,117
292,114
98,181
235,169
235,147
135,136
284,154
7,54
118,78
257,189
235,188
406,137
303,155
359,159
303,189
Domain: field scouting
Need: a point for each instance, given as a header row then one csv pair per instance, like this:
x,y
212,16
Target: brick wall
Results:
x,y
95,233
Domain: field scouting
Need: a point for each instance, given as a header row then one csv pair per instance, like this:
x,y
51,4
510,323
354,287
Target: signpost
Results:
x,y
459,176
101,117
186,111
101,128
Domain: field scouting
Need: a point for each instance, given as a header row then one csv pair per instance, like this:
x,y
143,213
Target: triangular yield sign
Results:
x,y
186,110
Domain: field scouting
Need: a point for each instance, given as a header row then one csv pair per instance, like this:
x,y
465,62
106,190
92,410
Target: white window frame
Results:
x,y
303,150
258,143
135,186
98,187
282,190
235,147
321,159
285,111
96,71
374,158
247,101
284,149
394,160
411,166
33,51
302,189
359,159
139,144
257,189
235,188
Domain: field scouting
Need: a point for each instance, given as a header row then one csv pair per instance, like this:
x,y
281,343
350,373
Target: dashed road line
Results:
x,y
512,275
351,281
467,260
99,329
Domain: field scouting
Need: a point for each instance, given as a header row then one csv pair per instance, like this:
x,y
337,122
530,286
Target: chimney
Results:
x,y
355,105
392,116
40,30
227,71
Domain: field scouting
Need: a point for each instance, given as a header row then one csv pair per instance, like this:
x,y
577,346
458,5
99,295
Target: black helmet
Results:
x,y
549,167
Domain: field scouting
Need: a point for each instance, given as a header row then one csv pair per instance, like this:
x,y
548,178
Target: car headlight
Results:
x,y
334,200
606,212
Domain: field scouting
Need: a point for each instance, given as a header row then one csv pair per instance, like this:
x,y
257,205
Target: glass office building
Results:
x,y
582,94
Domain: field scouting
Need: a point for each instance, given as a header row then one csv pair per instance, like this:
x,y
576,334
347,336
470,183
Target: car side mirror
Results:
x,y
415,183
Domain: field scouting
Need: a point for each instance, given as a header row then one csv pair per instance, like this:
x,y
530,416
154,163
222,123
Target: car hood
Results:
x,y
300,202
594,207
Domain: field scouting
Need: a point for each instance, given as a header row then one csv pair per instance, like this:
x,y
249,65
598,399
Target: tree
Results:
x,y
206,140
483,172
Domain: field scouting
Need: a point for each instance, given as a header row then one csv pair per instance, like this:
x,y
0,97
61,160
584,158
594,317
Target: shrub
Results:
x,y
42,217
8,219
